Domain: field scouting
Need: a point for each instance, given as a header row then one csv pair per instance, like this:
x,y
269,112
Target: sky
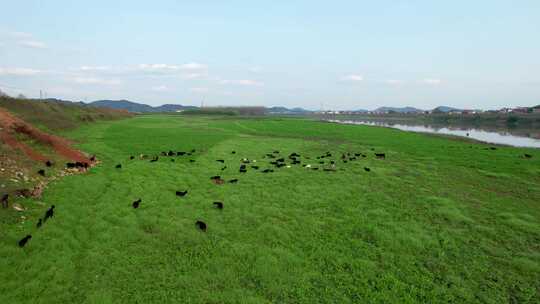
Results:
x,y
332,55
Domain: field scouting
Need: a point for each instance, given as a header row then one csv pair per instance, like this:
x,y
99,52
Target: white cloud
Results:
x,y
33,44
199,90
243,82
158,67
94,68
18,72
193,66
161,88
431,81
95,80
352,77
161,67
194,75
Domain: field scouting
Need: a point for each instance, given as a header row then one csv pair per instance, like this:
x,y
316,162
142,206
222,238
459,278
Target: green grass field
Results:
x,y
440,220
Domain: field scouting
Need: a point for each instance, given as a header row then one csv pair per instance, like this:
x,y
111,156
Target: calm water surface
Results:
x,y
504,138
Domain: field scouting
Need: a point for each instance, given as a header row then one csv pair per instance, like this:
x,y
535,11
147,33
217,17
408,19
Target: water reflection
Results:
x,y
497,137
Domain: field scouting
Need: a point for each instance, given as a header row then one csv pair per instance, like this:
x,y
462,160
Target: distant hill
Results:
x,y
284,110
398,110
137,107
445,109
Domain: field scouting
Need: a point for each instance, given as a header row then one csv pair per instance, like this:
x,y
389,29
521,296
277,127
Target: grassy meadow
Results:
x,y
439,220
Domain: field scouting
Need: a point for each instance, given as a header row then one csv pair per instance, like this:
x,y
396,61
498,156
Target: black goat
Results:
x,y
48,163
136,203
181,193
218,205
380,155
49,213
367,169
5,202
119,166
220,160
24,240
233,181
41,172
201,225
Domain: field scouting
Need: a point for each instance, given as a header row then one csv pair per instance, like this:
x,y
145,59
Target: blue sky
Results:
x,y
334,54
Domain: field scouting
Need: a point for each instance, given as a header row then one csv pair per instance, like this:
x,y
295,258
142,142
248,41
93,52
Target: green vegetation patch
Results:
x,y
435,221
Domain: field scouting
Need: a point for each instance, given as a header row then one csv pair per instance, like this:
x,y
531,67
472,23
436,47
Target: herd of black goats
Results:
x,y
275,159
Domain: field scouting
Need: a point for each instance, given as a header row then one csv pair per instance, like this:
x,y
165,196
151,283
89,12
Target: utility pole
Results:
x,y
40,95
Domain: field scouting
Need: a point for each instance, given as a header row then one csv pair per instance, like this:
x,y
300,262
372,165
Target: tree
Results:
x,y
2,94
21,96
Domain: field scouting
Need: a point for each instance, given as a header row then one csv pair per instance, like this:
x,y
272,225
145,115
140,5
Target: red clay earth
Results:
x,y
11,125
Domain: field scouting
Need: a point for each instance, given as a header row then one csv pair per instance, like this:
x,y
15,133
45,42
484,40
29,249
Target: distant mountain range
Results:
x,y
144,108
398,110
445,109
137,107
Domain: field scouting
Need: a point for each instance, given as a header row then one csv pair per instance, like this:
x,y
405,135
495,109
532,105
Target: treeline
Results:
x,y
227,111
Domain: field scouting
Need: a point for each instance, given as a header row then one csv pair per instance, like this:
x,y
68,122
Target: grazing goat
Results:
x,y
267,171
49,213
181,193
41,172
255,167
201,225
155,159
24,240
215,177
48,163
70,165
39,223
181,153
380,155
218,205
527,155
93,158
233,152
132,157
223,168
119,166
233,181
136,203
191,160
220,160
367,169
5,201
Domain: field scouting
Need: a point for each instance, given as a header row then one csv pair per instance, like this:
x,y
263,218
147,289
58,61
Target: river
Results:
x,y
500,137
